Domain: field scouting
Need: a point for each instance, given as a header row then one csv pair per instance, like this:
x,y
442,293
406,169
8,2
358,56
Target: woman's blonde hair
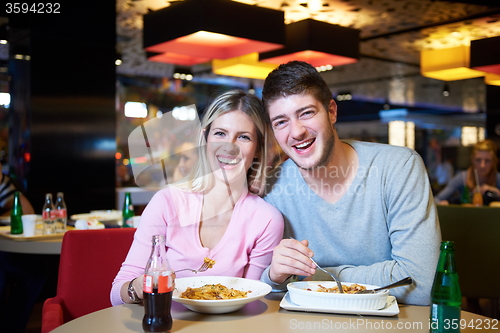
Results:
x,y
201,178
488,146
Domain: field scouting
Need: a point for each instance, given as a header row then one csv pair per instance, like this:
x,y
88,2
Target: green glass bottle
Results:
x,y
128,211
16,222
465,199
446,297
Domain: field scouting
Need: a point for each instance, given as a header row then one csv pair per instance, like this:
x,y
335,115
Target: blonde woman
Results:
x,y
216,212
483,159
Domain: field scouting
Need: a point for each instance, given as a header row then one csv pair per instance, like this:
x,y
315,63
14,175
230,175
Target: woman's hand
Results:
x,y
291,257
138,286
486,187
443,202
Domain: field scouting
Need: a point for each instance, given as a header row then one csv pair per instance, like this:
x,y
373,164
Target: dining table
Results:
x,y
266,315
38,244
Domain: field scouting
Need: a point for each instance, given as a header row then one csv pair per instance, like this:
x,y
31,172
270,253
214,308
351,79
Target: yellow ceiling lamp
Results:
x,y
492,79
245,66
191,32
448,64
318,43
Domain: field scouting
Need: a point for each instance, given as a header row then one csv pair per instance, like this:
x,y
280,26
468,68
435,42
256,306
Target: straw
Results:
x,y
477,179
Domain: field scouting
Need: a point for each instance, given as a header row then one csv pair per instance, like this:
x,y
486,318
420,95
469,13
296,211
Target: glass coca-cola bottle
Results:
x,y
157,289
60,213
48,215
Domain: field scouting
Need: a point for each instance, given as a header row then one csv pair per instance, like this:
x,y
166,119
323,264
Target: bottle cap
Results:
x,y
447,245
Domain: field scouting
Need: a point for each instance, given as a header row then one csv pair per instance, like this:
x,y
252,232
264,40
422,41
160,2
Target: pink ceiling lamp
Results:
x,y
195,31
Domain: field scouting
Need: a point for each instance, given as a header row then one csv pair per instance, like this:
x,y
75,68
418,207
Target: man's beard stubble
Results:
x,y
326,154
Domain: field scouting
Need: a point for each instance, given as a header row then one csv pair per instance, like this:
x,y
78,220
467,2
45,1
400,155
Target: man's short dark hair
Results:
x,y
292,78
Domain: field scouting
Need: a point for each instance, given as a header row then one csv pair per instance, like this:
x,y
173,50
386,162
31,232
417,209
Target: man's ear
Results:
x,y
332,111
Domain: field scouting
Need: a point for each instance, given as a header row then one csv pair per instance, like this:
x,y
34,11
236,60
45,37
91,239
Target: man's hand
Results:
x,y
291,257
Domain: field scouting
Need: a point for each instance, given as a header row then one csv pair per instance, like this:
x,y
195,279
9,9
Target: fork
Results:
x,y
203,268
403,282
339,285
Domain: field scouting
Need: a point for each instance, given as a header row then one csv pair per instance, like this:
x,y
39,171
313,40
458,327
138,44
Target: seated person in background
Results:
x,y
22,276
364,210
123,177
444,172
485,161
188,155
216,212
7,190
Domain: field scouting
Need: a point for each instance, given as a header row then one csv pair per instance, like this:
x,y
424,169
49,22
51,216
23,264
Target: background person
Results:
x,y
444,172
7,189
364,210
217,213
188,155
22,276
485,161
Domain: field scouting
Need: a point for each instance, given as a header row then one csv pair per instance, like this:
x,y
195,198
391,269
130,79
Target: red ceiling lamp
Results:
x,y
195,31
485,55
318,43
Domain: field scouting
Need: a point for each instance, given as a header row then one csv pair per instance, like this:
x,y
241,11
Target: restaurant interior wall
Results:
x,y
62,135
4,116
493,113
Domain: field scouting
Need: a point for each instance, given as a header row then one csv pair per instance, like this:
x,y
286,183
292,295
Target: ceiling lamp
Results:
x,y
195,31
448,64
318,43
492,79
247,66
485,55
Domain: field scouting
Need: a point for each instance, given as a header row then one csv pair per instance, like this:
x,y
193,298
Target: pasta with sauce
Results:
x,y
213,292
352,289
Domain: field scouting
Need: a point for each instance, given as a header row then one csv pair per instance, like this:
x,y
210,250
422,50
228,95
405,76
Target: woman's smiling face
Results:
x,y
231,145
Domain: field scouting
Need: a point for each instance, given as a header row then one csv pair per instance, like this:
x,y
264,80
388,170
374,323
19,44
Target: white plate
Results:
x,y
305,293
390,309
99,216
257,290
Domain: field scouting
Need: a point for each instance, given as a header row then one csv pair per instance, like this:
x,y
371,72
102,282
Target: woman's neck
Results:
x,y
222,197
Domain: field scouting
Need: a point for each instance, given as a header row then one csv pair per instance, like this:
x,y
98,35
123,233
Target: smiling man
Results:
x,y
364,210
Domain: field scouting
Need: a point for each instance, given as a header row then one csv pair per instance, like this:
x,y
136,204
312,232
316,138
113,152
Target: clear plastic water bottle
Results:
x,y
48,215
60,213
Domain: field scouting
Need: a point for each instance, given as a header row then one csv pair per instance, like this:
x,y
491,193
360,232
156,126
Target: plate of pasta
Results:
x,y
217,294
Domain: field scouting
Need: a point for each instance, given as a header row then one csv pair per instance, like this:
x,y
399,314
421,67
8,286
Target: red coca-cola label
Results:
x,y
58,213
148,284
165,283
45,214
